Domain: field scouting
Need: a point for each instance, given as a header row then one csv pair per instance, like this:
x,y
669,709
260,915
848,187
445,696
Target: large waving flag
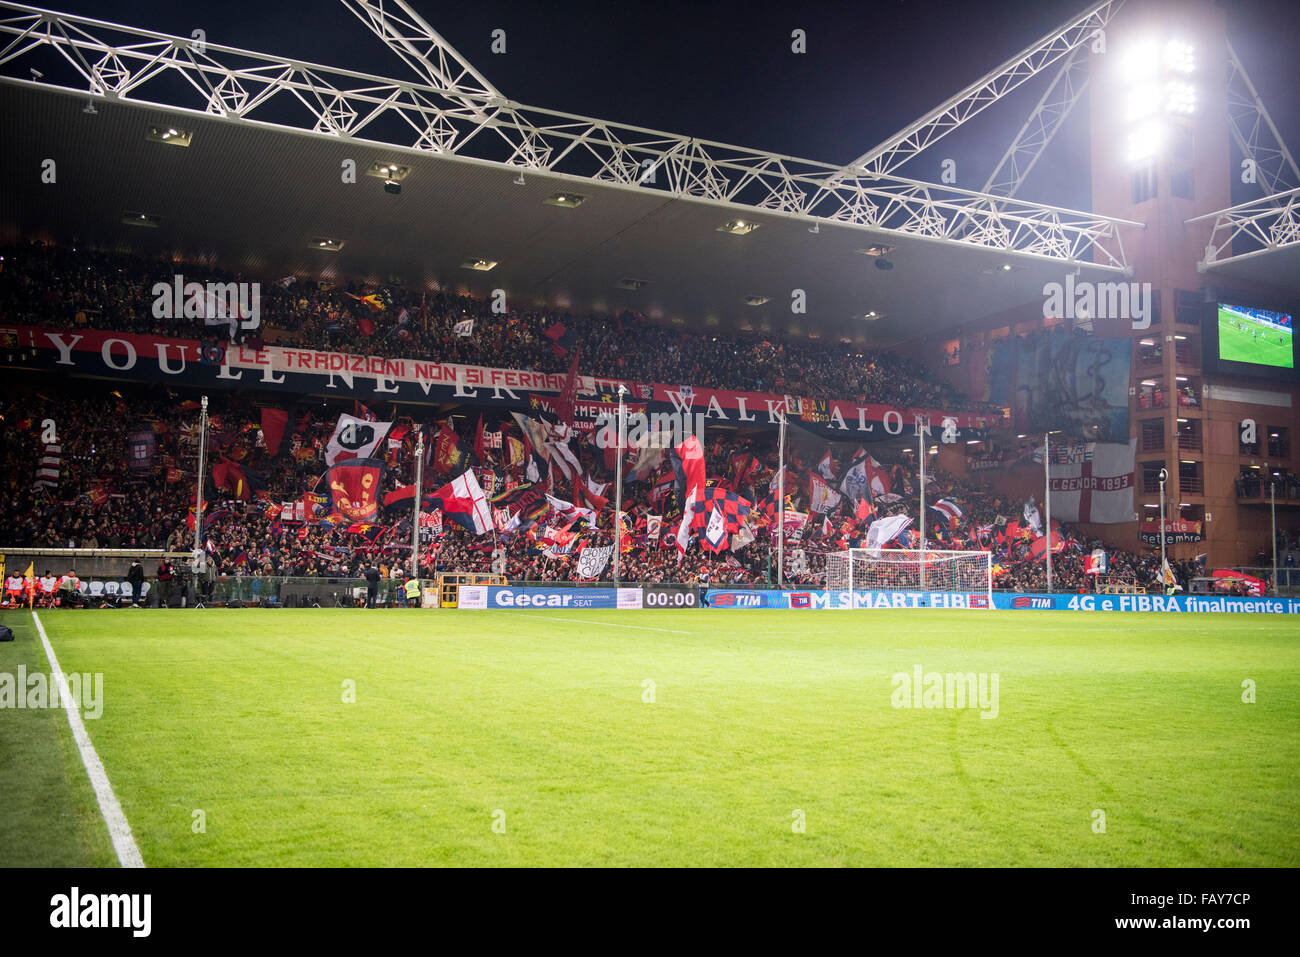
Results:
x,y
683,537
950,509
355,438
731,506
715,533
689,463
570,512
354,489
823,498
462,500
885,530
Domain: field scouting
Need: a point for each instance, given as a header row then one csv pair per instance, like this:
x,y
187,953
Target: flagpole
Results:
x,y
1163,474
920,432
780,505
1047,501
198,492
618,484
1272,504
419,490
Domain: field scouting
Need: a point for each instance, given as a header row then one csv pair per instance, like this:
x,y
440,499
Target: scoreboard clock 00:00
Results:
x,y
671,596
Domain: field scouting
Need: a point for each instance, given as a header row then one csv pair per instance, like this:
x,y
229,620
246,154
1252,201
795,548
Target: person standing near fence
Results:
x,y
372,576
135,578
165,576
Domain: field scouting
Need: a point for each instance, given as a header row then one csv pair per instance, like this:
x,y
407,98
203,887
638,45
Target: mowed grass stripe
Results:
x,y
756,715
50,816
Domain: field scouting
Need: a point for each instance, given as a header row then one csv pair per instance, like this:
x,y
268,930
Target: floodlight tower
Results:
x,y
1160,155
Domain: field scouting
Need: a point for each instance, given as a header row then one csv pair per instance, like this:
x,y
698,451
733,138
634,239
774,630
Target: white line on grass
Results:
x,y
118,829
606,624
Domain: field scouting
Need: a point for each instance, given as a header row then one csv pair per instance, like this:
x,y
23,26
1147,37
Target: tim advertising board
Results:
x,y
814,600
1180,604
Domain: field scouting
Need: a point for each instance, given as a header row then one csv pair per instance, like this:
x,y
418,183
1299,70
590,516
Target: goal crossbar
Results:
x,y
929,570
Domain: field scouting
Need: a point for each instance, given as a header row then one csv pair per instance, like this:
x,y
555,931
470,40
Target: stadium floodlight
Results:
x,y
1143,101
886,569
1140,61
1180,56
1145,142
1180,98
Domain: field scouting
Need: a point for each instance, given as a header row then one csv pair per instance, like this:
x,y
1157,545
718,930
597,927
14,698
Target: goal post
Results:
x,y
872,569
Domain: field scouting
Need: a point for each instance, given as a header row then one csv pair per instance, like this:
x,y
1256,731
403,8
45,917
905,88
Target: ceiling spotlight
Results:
x,y
815,228
392,186
36,74
879,249
133,217
90,108
170,135
738,227
519,180
565,200
388,172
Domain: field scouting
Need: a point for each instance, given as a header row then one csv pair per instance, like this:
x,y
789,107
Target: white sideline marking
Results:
x,y
128,855
609,624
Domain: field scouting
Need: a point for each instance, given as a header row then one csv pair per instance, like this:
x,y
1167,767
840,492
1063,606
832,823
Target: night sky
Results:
x,y
724,71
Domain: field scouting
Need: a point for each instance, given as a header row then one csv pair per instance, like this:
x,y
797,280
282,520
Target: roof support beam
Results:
x,y
422,48
984,92
1047,117
1255,135
110,62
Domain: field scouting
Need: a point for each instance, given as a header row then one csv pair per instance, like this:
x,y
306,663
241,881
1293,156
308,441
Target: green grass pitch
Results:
x,y
544,727
1239,345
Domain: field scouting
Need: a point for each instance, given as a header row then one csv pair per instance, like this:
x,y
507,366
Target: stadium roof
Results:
x,y
258,193
1258,241
257,200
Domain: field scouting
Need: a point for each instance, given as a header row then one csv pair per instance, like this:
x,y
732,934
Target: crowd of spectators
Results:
x,y
99,500
79,288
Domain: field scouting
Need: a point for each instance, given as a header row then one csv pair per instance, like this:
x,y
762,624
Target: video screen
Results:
x,y
1257,336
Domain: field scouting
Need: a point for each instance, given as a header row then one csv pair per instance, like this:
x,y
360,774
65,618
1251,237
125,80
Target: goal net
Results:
x,y
869,569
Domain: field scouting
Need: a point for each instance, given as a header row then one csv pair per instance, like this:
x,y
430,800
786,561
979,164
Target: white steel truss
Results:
x,y
456,117
1253,131
1047,116
1268,223
1077,33
407,34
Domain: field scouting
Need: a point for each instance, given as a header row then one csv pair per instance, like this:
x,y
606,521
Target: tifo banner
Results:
x,y
1060,381
188,361
1097,486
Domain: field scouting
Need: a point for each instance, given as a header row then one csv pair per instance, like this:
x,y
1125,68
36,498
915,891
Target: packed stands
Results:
x,y
60,287
108,497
